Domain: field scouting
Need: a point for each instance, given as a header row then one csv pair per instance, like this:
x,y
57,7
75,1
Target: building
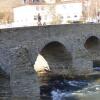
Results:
x,y
28,15
59,13
90,8
69,12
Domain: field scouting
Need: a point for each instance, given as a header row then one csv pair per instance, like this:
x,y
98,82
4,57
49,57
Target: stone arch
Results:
x,y
5,90
92,43
56,57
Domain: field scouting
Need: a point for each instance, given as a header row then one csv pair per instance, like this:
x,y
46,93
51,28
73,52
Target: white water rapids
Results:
x,y
90,92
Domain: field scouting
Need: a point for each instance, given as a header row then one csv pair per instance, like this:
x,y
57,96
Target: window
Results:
x,y
37,8
75,16
61,17
35,17
68,16
45,17
42,8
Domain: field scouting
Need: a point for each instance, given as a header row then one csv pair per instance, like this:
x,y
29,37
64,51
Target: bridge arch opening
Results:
x,y
52,64
92,43
53,58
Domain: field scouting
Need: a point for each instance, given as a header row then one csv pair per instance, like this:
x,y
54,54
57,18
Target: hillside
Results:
x,y
6,7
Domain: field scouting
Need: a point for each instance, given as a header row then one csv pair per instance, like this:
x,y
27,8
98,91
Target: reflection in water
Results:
x,y
74,90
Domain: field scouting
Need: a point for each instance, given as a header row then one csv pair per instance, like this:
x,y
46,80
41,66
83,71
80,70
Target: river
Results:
x,y
75,89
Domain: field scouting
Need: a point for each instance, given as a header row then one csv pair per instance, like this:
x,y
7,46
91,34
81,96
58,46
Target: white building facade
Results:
x,y
69,12
27,15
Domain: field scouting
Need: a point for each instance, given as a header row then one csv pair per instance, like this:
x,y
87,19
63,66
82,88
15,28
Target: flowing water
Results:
x,y
75,89
78,91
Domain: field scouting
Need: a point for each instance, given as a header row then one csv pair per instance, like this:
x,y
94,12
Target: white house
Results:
x,y
69,12
27,15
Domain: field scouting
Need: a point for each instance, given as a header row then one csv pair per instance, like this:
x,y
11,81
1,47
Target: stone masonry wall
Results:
x,y
17,62
5,91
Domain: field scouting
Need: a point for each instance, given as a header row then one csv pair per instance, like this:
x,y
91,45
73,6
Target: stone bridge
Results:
x,y
67,49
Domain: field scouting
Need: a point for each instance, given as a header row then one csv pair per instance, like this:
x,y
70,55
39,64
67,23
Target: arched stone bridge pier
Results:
x,y
64,48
